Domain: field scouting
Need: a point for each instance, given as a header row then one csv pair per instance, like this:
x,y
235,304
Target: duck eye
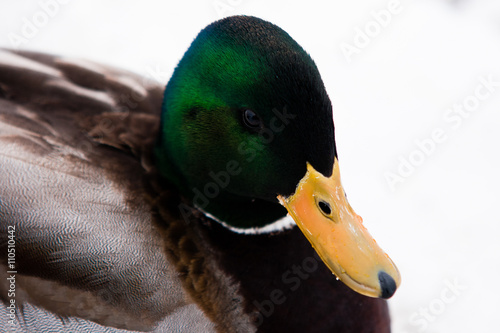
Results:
x,y
251,119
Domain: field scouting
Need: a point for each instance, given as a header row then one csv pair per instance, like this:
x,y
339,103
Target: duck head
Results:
x,y
247,135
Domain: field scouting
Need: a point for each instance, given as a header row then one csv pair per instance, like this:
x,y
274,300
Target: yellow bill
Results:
x,y
320,208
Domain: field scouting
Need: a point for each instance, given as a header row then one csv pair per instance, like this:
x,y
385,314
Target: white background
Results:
x,y
439,222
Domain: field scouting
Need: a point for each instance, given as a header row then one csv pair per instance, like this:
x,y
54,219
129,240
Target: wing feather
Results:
x,y
71,184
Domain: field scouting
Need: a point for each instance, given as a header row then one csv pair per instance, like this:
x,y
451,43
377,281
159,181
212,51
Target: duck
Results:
x,y
213,204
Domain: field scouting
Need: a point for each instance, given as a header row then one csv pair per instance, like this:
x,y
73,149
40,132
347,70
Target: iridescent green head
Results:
x,y
247,130
243,112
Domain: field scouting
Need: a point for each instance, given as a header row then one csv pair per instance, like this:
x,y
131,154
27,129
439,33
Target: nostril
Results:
x,y
325,207
387,285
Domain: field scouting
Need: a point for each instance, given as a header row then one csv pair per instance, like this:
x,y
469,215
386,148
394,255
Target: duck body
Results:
x,y
106,240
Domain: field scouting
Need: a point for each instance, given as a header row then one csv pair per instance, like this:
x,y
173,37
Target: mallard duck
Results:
x,y
212,205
